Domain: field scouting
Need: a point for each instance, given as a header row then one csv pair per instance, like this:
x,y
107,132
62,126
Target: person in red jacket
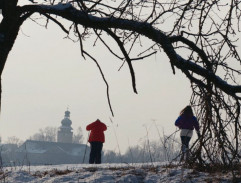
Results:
x,y
96,140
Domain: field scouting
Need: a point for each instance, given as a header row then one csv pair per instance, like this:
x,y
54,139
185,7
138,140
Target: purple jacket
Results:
x,y
186,122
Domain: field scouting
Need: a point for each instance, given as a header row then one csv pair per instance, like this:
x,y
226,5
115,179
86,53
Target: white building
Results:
x,y
65,134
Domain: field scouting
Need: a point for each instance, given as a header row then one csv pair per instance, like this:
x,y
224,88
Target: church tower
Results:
x,y
65,133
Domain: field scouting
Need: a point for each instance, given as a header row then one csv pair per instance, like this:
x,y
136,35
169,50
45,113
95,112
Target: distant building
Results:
x,y
52,153
7,153
33,152
65,134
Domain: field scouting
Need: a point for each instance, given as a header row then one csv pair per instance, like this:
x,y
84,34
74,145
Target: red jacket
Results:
x,y
97,131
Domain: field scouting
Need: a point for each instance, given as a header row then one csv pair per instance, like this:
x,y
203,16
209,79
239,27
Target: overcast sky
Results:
x,y
45,74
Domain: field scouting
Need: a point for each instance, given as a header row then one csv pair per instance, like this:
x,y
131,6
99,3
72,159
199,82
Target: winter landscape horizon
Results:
x,y
155,83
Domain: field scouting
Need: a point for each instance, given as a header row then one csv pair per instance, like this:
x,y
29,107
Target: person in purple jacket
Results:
x,y
187,122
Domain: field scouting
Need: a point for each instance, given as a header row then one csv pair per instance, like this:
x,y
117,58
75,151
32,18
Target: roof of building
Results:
x,y
41,147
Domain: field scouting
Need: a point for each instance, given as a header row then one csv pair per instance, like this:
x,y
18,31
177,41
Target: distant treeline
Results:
x,y
154,151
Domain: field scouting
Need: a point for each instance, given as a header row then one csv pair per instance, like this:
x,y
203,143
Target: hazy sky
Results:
x,y
45,74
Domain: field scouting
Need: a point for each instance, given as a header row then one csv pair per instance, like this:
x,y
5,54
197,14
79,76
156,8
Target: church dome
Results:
x,y
65,134
66,122
67,114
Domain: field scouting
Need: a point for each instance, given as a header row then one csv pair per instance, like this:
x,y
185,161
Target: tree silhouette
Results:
x,y
198,38
47,134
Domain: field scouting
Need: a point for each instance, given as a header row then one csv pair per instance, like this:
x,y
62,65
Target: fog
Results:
x,y
45,74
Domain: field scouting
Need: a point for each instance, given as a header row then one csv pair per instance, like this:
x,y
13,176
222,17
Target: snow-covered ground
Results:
x,y
109,173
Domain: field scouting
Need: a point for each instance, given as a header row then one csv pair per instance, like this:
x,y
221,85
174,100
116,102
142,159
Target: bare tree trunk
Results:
x,y
9,28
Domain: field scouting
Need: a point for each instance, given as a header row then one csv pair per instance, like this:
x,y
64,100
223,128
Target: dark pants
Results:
x,y
95,152
185,142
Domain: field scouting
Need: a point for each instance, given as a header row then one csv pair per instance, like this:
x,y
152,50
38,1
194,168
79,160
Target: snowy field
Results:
x,y
109,173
